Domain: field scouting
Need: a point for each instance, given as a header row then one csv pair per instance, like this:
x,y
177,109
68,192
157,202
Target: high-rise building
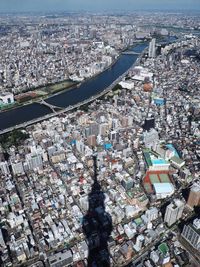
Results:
x,y
34,161
174,211
87,131
91,140
154,256
103,128
84,203
191,233
114,136
63,258
152,48
124,121
4,168
127,182
139,242
80,146
194,196
151,138
94,129
152,214
17,168
2,158
115,123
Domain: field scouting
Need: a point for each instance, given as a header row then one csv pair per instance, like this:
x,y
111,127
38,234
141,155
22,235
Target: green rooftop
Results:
x,y
154,178
177,160
147,157
138,221
164,178
130,194
163,248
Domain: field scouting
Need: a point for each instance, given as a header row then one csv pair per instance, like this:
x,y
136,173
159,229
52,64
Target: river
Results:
x,y
87,89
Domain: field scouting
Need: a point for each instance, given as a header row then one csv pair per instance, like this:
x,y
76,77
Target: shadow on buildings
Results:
x,y
97,225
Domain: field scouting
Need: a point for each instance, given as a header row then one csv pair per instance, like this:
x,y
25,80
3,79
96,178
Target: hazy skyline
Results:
x,y
97,5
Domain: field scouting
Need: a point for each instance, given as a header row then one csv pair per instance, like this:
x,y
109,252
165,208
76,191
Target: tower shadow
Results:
x,y
97,225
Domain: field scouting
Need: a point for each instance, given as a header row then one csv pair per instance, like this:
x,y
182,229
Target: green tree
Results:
x,y
16,138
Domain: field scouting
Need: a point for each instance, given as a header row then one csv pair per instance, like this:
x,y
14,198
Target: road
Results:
x,y
70,108
143,253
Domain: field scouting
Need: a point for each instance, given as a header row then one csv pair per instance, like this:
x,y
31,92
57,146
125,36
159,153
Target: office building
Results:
x,y
34,161
152,48
174,212
4,168
84,203
91,140
115,123
191,233
152,214
154,256
2,242
17,168
80,146
124,121
114,136
194,196
151,138
61,259
6,98
177,162
103,128
127,182
139,242
94,129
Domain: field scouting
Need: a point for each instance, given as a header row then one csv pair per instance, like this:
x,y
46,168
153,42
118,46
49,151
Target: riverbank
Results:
x,y
106,69
77,97
73,98
52,89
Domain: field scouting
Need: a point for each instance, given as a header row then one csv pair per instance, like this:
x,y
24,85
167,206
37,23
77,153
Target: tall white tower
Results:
x,y
174,211
152,48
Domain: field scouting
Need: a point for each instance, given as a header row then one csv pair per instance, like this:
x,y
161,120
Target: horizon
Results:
x,y
108,6
101,13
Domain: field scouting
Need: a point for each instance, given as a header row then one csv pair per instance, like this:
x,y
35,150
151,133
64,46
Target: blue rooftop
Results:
x,y
107,146
163,187
170,146
158,161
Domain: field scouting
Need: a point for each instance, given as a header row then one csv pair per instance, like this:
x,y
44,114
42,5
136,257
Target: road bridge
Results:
x,y
52,107
69,108
130,53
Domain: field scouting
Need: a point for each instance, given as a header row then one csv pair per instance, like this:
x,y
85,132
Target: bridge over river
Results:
x,y
130,53
74,98
52,107
61,110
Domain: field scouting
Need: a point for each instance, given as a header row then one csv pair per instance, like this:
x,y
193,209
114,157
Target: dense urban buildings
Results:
x,y
115,181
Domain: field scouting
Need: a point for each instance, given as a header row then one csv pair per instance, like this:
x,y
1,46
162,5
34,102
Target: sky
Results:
x,y
97,5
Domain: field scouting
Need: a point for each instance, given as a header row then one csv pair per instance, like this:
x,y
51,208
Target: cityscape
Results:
x,y
99,136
